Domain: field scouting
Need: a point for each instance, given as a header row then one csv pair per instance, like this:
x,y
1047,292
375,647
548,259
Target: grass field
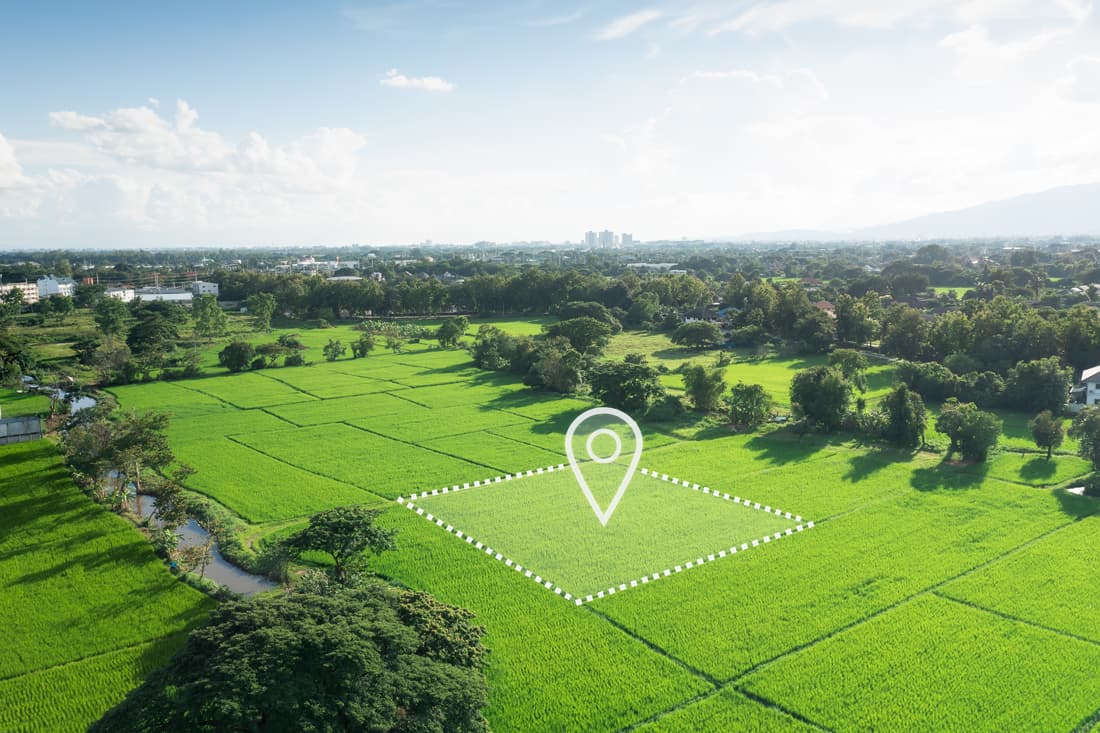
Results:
x,y
87,608
910,558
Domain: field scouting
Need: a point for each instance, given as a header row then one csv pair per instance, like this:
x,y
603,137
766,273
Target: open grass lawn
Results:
x,y
87,607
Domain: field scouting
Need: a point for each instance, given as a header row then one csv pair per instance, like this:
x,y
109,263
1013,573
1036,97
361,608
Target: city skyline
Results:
x,y
393,123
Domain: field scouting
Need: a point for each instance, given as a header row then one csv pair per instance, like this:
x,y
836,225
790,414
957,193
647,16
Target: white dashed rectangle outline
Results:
x,y
801,525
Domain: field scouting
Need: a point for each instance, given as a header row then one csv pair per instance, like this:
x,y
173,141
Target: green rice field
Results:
x,y
928,595
87,607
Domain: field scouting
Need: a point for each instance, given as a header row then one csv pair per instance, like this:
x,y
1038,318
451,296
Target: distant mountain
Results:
x,y
1067,210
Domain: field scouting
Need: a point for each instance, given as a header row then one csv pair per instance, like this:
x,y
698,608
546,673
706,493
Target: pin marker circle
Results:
x,y
614,436
604,514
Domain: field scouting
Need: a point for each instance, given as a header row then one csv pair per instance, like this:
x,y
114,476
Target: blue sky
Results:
x,y
157,124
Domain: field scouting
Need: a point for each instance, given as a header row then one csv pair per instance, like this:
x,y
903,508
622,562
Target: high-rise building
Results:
x,y
589,239
607,239
627,239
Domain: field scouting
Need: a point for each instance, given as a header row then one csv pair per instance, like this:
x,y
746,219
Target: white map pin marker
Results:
x,y
601,514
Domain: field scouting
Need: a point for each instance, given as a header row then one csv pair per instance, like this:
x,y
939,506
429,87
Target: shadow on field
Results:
x,y
950,476
1038,468
862,465
782,447
1076,506
880,381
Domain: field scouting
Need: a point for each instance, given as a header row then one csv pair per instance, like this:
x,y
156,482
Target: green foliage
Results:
x,y
237,356
1086,429
631,385
343,534
111,316
557,366
334,349
210,320
585,334
905,418
591,309
852,364
396,344
697,335
1047,431
451,331
704,387
370,658
750,405
1038,385
362,346
262,307
972,432
822,396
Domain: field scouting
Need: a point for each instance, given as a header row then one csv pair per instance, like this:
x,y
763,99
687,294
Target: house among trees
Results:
x,y
1086,392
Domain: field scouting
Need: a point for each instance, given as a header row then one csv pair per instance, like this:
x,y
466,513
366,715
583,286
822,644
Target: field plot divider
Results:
x,y
800,526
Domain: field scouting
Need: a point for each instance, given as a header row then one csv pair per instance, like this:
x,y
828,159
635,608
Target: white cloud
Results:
x,y
628,24
396,79
1082,80
555,20
11,173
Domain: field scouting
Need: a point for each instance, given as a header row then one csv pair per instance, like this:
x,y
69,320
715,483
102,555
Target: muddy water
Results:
x,y
220,570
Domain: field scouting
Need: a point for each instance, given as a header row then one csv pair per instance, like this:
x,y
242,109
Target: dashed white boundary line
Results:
x,y
800,526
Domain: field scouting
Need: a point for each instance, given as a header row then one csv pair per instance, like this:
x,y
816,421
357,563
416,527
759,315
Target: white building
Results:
x,y
627,239
123,294
204,288
1086,393
175,295
607,239
589,239
30,291
50,286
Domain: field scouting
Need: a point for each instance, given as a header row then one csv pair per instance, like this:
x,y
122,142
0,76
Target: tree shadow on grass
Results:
x,y
1038,468
783,446
1077,506
862,465
947,475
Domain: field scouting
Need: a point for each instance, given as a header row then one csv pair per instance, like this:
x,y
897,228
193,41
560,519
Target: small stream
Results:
x,y
220,570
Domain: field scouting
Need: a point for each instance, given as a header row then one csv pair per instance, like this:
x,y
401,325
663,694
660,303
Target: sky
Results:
x,y
161,124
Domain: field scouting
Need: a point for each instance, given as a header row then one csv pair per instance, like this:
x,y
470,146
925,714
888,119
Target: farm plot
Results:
x,y
258,487
247,390
443,422
544,523
552,666
166,397
1053,583
938,665
503,455
385,408
488,391
381,465
70,696
318,381
76,583
844,570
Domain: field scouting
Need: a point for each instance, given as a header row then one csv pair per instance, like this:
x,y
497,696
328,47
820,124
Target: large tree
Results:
x,y
111,315
821,395
373,658
697,335
262,307
905,417
1086,429
631,384
451,331
585,334
704,387
1042,384
237,356
1047,431
750,405
344,534
973,432
210,319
